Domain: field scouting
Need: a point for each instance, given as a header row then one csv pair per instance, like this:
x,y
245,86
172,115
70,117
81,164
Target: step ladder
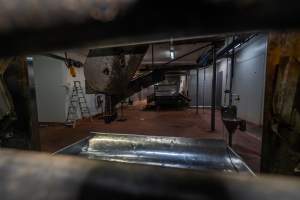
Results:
x,y
77,99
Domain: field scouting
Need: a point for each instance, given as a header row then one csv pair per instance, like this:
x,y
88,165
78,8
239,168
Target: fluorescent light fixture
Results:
x,y
29,58
172,50
172,54
238,45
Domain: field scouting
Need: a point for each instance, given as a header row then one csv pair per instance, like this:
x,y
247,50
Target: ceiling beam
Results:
x,y
115,51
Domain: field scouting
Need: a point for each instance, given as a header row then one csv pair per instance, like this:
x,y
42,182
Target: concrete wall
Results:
x,y
54,86
248,81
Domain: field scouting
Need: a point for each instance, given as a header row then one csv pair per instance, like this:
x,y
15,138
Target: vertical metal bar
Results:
x,y
227,77
197,92
187,84
226,82
213,95
203,92
231,74
35,135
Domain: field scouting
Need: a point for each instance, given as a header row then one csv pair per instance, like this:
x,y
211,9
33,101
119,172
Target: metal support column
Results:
x,y
187,84
197,93
152,55
35,143
203,91
213,95
231,74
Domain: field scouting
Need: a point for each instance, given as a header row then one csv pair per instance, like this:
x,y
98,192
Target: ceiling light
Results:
x,y
238,45
172,54
172,50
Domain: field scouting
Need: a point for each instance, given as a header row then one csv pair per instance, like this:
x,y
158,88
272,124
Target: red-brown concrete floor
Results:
x,y
181,123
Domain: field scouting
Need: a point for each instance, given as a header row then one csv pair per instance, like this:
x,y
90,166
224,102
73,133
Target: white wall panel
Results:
x,y
54,87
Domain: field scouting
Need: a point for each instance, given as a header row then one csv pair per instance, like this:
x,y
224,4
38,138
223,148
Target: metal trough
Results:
x,y
174,152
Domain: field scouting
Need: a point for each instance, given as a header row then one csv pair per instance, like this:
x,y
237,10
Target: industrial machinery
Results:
x,y
167,95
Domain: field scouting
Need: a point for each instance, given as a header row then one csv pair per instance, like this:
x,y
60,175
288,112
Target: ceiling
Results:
x,y
161,53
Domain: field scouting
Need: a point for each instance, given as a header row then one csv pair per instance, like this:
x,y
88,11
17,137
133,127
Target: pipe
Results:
x,y
197,92
213,95
231,73
203,99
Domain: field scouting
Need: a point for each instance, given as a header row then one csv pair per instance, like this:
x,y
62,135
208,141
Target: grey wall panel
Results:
x,y
204,87
249,79
50,88
248,82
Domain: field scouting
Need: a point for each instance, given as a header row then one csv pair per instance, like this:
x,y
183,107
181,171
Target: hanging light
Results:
x,y
172,50
172,54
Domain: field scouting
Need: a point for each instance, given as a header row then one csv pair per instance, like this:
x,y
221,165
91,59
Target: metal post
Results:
x,y
226,84
187,84
231,74
213,95
152,57
197,92
203,90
